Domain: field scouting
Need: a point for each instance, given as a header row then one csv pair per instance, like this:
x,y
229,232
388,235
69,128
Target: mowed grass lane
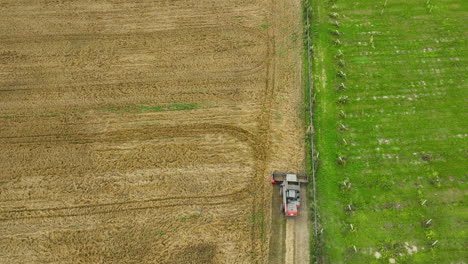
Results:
x,y
391,129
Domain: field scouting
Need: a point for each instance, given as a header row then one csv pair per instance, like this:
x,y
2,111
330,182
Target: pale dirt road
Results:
x,y
289,241
301,231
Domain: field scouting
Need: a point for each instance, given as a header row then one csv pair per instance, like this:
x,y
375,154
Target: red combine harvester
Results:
x,y
290,190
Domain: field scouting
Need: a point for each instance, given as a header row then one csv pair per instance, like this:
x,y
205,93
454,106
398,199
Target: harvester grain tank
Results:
x,y
290,190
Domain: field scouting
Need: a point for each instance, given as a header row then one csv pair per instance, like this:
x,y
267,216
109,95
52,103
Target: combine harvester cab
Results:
x,y
290,190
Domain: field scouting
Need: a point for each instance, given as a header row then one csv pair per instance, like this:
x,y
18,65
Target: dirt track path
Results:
x,y
290,237
290,241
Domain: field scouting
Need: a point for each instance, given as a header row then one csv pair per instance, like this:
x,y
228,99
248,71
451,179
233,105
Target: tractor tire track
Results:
x,y
123,135
118,207
121,203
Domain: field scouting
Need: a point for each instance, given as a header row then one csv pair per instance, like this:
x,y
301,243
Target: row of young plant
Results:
x,y
342,89
384,126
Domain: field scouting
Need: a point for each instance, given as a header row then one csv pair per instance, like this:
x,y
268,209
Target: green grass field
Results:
x,y
391,129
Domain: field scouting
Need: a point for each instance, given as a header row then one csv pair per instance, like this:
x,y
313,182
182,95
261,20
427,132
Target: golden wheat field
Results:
x,y
141,131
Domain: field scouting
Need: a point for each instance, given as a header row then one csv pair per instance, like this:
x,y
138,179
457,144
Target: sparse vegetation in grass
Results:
x,y
145,108
154,108
184,106
51,114
294,37
397,129
190,216
257,219
159,233
278,116
264,26
153,233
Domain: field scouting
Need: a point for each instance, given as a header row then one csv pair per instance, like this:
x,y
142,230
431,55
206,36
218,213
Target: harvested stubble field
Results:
x,y
391,117
139,131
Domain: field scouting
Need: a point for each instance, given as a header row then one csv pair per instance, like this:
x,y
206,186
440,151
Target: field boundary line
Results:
x,y
311,129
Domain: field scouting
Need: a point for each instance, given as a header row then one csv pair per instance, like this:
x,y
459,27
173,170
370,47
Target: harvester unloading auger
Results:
x,y
290,190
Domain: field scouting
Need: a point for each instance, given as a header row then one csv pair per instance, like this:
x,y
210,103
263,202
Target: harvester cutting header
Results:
x,y
290,189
